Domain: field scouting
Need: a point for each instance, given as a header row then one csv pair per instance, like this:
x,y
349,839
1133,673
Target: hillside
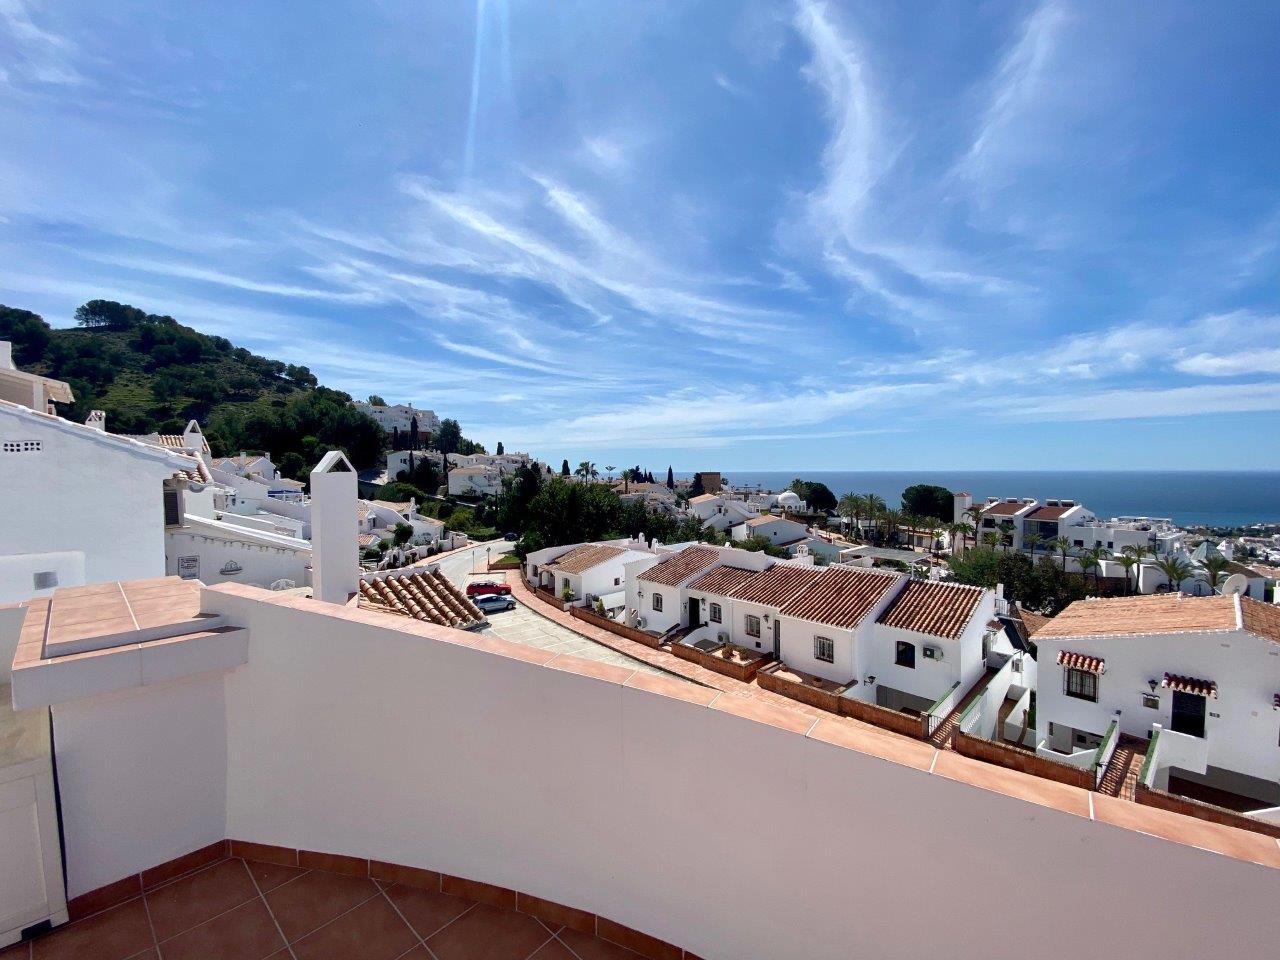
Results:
x,y
151,373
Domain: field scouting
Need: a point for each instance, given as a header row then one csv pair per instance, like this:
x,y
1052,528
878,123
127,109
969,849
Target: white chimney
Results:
x,y
335,564
6,355
97,420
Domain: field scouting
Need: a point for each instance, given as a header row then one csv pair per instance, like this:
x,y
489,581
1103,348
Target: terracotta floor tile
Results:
x,y
146,955
592,948
245,933
112,935
426,910
417,953
271,875
183,904
553,950
313,900
372,931
16,951
487,933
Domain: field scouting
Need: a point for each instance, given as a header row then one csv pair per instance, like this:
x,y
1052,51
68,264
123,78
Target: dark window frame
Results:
x,y
904,654
1080,684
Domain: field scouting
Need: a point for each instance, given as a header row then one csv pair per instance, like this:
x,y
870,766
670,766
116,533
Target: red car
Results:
x,y
482,587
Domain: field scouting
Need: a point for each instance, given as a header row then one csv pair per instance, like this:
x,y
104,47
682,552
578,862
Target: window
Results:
x,y
1080,684
1150,702
752,625
715,613
657,601
617,581
824,649
45,580
906,655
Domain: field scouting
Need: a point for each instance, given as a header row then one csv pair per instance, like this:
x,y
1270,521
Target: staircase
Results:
x,y
1121,776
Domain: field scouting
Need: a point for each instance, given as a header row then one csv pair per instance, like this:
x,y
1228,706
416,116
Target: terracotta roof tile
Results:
x,y
583,558
722,580
776,586
425,596
1200,688
679,567
1048,513
934,608
1150,615
841,596
1080,661
1260,618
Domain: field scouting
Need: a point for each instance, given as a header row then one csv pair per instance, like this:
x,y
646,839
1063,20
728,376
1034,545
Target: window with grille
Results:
x,y
1080,684
716,614
22,446
657,601
824,649
44,580
752,624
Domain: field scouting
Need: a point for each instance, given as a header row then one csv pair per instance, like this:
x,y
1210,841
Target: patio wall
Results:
x,y
455,752
622,630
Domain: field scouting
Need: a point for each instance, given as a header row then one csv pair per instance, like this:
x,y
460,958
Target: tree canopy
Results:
x,y
928,500
817,495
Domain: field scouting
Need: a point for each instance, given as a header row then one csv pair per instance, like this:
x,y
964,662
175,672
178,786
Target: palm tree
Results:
x,y
587,470
892,521
1029,543
1128,561
848,507
1091,559
974,513
1214,569
1138,551
1062,545
990,539
960,533
1176,570
609,473
1006,534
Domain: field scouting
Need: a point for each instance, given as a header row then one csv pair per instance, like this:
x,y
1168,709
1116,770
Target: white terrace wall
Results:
x,y
349,738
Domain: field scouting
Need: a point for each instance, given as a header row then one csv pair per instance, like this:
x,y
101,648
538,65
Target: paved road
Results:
x,y
523,624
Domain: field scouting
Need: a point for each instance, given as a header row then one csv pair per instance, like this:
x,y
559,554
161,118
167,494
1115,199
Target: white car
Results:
x,y
493,602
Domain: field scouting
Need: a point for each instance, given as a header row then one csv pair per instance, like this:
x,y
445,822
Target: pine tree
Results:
x,y
671,479
564,468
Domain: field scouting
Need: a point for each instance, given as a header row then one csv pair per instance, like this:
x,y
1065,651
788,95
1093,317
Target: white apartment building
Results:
x,y
656,598
398,460
1203,671
779,531
400,417
212,550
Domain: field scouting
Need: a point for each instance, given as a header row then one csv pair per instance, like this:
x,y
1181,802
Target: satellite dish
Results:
x,y
1237,584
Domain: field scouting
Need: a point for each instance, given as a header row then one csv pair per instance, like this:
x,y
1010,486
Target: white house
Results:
x,y
216,551
28,389
739,601
478,481
399,417
779,531
656,599
720,512
398,460
588,571
81,505
1204,671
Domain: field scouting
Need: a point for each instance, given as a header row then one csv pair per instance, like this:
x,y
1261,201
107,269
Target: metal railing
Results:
x,y
1105,750
937,713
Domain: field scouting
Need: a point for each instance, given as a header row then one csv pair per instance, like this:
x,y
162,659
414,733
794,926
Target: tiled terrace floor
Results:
x,y
527,626
239,910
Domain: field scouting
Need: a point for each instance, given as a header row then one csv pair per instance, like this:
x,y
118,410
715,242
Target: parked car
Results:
x,y
493,602
481,587
510,536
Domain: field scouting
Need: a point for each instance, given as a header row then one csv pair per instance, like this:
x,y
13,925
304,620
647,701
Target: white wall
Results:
x,y
105,500
142,777
261,565
18,571
798,644
345,737
412,751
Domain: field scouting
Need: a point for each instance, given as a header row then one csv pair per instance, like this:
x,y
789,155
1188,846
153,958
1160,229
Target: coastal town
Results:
x,y
1123,658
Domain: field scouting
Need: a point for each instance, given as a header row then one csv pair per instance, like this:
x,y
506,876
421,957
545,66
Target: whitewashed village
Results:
x,y
160,601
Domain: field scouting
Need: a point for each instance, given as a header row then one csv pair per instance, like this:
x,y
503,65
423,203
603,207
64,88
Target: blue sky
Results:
x,y
738,235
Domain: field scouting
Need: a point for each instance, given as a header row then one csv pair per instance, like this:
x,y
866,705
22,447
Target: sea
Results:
x,y
1190,498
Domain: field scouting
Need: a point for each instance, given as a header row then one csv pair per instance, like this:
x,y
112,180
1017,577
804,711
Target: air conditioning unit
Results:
x,y
933,653
642,622
723,636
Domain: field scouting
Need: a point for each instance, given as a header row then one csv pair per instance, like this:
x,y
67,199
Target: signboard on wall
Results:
x,y
189,568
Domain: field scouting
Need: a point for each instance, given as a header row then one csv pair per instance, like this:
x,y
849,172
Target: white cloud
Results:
x,y
1231,364
46,57
1017,87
